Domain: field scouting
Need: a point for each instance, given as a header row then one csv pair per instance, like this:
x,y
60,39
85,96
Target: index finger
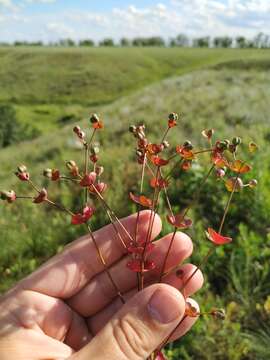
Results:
x,y
67,273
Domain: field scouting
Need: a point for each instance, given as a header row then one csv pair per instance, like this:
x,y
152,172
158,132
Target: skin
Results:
x,y
68,308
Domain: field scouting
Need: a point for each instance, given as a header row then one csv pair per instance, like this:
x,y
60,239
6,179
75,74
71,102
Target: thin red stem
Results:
x,y
101,257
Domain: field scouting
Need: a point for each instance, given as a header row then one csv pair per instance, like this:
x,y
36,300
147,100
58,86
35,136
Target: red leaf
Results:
x,y
156,160
186,165
83,217
88,179
23,176
94,158
186,154
141,200
179,222
55,175
135,265
139,248
172,123
42,196
154,148
159,183
219,160
100,187
240,167
98,125
217,238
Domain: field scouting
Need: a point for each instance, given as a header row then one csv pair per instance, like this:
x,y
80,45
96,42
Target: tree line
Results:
x,y
261,40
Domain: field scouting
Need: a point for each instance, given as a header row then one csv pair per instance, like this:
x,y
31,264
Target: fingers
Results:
x,y
67,273
98,321
100,290
139,327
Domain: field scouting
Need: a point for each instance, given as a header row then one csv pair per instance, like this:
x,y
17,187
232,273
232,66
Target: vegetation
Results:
x,y
50,87
260,41
229,91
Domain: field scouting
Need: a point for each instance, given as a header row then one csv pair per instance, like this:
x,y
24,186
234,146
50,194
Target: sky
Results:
x,y
51,20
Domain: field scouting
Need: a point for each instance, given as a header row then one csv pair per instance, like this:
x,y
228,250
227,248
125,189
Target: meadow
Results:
x,y
228,90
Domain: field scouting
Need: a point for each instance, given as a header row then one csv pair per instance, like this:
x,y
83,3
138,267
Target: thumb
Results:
x,y
139,327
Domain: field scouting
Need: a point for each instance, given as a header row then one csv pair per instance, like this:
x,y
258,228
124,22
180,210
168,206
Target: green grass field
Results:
x,y
223,89
48,85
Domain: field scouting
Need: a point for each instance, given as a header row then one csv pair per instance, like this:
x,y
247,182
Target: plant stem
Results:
x,y
113,225
86,155
141,191
171,334
25,197
33,186
167,255
150,228
197,193
211,250
60,207
63,177
112,213
119,294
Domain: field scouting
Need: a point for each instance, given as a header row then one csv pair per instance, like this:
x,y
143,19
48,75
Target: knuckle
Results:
x,y
132,339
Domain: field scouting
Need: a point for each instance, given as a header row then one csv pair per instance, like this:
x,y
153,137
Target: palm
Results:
x,y
59,308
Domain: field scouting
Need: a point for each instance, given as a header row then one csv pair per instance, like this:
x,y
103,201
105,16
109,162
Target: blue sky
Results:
x,y
50,20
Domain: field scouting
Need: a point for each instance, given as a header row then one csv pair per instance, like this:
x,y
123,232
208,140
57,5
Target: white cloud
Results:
x,y
41,1
60,29
8,5
167,19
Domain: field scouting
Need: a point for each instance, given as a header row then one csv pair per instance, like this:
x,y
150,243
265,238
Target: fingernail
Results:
x,y
164,306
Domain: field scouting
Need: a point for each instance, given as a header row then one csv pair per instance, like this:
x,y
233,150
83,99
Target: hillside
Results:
x,y
50,86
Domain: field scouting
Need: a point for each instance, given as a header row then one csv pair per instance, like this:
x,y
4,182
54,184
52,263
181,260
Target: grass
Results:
x,y
45,83
232,97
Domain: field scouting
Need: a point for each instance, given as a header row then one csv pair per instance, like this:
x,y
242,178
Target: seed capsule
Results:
x,y
94,119
220,173
70,164
166,144
173,116
47,173
94,149
99,170
76,129
218,314
9,196
132,129
188,145
22,169
253,183
236,141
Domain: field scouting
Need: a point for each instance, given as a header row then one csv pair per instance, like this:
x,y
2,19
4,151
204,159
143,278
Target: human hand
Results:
x,y
69,309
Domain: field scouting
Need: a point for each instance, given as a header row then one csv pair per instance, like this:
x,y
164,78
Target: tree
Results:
x,y
67,42
181,40
261,41
155,41
125,42
223,42
241,42
87,42
106,42
138,41
203,42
